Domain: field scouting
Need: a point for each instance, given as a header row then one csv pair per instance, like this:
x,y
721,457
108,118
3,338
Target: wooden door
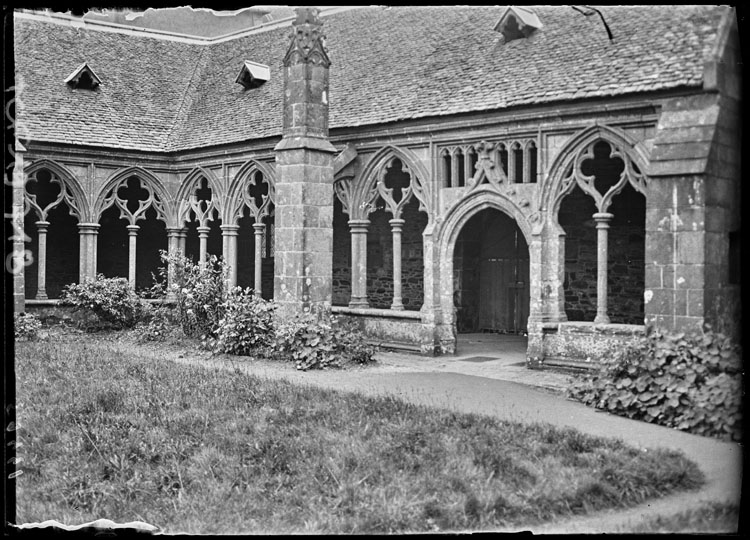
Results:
x,y
504,278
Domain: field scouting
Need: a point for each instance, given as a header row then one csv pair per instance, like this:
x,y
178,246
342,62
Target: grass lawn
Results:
x,y
107,433
710,518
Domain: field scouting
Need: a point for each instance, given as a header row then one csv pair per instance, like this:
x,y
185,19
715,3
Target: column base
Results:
x,y
359,304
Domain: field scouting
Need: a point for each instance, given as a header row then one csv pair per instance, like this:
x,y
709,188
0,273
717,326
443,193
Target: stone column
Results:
x,y
602,225
304,191
182,241
229,236
19,236
132,238
173,245
397,226
88,233
260,230
203,231
358,229
41,292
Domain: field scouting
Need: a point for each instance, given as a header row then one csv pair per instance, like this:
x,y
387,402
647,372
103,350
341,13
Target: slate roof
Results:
x,y
387,65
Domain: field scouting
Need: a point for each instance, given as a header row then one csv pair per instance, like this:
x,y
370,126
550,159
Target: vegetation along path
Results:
x,y
507,401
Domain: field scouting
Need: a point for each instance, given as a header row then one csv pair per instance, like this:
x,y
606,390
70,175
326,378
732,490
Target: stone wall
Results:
x,y
380,258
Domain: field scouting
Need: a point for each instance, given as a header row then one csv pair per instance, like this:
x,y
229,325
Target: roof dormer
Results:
x,y
517,22
83,77
252,74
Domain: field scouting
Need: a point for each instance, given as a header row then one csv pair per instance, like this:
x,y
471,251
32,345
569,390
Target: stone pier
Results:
x,y
304,190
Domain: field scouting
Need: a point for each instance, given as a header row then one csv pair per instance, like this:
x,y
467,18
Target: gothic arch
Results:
x,y
365,190
453,224
233,203
143,175
188,184
554,189
79,203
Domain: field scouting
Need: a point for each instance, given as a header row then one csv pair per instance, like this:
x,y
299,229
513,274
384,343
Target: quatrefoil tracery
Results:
x,y
199,208
152,200
575,176
64,196
386,193
258,195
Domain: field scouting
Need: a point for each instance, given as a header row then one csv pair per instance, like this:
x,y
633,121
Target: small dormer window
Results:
x,y
83,77
252,75
517,22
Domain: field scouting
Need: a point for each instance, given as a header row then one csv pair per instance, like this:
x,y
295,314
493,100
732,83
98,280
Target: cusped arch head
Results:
x,y
551,195
78,195
144,176
188,185
455,221
368,178
238,183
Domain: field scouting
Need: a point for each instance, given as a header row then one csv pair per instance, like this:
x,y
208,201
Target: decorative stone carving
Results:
x,y
64,196
307,42
342,187
152,200
386,193
575,176
257,194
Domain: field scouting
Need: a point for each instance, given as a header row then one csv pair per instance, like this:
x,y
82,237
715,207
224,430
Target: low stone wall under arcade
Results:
x,y
579,345
389,329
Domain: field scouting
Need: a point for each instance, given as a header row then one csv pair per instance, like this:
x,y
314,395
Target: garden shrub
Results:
x,y
319,341
247,324
110,300
692,382
200,293
159,325
26,326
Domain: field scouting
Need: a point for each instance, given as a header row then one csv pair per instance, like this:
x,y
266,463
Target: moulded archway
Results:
x,y
453,225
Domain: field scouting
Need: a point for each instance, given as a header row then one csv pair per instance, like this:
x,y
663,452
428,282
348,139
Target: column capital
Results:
x,y
175,231
203,229
603,218
359,225
259,227
92,228
229,230
133,229
42,225
396,223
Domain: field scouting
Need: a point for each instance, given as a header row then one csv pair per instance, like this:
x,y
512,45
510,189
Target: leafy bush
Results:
x,y
689,382
319,341
200,292
26,326
159,326
247,324
111,300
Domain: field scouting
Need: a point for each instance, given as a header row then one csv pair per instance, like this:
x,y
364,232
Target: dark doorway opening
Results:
x,y
491,275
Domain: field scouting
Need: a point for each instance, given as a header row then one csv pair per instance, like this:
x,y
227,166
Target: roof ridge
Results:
x,y
186,103
164,35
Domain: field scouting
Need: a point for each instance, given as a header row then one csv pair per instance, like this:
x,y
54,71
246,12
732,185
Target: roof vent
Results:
x,y
252,75
517,22
83,77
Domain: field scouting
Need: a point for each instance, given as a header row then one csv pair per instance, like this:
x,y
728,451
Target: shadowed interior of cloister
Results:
x,y
626,245
54,218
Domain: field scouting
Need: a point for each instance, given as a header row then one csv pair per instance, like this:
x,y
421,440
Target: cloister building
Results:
x,y
565,173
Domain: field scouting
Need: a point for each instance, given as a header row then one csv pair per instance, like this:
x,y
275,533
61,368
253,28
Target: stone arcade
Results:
x,y
424,171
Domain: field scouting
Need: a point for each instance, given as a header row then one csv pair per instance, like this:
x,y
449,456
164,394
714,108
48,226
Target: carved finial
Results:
x,y
307,42
307,15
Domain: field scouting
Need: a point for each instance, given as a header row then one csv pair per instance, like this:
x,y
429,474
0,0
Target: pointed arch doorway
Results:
x,y
491,275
